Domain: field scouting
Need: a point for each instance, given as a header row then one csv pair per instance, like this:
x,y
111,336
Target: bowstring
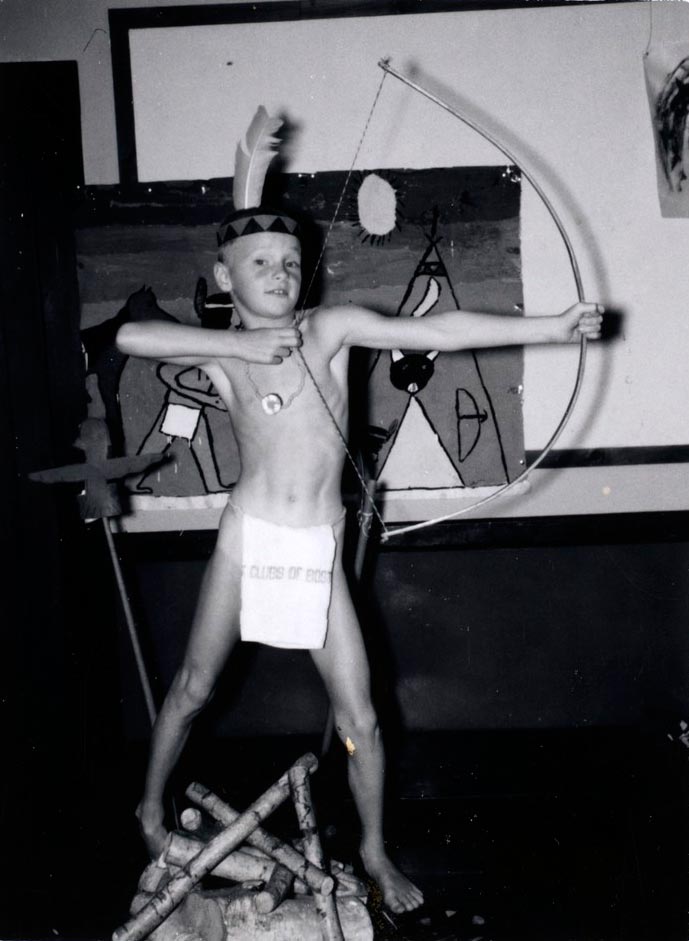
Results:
x,y
370,500
344,187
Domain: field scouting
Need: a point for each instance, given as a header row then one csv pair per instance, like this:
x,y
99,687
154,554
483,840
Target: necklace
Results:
x,y
272,402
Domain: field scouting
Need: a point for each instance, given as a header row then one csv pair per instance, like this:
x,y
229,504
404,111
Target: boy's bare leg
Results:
x,y
344,668
214,632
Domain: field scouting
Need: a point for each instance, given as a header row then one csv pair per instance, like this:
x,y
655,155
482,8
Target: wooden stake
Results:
x,y
131,624
181,884
316,879
326,906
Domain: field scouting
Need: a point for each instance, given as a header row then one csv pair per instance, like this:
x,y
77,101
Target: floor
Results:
x,y
545,836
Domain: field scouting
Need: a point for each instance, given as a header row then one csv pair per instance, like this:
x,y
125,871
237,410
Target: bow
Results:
x,y
387,533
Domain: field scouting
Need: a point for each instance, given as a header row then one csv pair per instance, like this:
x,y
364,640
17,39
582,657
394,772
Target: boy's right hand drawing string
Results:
x,y
387,532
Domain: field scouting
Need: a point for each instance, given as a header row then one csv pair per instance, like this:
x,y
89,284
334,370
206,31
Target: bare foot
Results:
x,y
152,830
399,894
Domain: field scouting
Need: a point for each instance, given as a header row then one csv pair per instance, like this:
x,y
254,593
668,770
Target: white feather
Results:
x,y
253,156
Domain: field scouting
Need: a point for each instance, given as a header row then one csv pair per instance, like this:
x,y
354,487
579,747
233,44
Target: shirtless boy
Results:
x,y
291,467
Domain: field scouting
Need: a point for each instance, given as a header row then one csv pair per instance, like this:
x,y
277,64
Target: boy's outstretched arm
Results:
x,y
459,329
193,346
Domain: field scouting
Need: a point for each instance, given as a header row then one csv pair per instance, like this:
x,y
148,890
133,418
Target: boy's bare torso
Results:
x,y
291,461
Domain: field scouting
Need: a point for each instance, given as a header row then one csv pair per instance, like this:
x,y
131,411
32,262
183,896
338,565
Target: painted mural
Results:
x,y
407,243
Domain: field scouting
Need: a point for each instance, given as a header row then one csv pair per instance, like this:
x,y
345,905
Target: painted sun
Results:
x,y
378,208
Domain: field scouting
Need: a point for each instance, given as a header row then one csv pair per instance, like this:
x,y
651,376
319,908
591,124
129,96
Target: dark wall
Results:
x,y
537,637
56,607
463,638
41,392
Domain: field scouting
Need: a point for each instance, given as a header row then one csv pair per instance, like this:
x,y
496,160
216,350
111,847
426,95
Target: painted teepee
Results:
x,y
441,419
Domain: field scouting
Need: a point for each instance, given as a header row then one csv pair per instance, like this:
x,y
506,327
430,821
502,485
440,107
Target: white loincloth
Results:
x,y
286,583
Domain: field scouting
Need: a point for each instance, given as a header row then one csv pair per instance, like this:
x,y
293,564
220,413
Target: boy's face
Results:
x,y
262,271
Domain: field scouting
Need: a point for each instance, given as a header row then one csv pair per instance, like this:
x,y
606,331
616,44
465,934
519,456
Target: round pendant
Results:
x,y
271,403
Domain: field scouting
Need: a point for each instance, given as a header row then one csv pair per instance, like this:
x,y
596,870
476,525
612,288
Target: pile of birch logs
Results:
x,y
276,891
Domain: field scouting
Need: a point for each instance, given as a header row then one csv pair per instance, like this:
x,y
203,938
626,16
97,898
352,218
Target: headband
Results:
x,y
259,219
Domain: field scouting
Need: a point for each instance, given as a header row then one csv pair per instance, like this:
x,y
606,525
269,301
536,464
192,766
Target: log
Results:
x,y
255,851
153,876
191,819
296,920
138,902
326,905
315,878
198,823
181,884
198,918
346,885
238,902
238,866
293,920
275,891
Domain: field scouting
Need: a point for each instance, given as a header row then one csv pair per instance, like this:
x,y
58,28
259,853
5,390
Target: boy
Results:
x,y
291,466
